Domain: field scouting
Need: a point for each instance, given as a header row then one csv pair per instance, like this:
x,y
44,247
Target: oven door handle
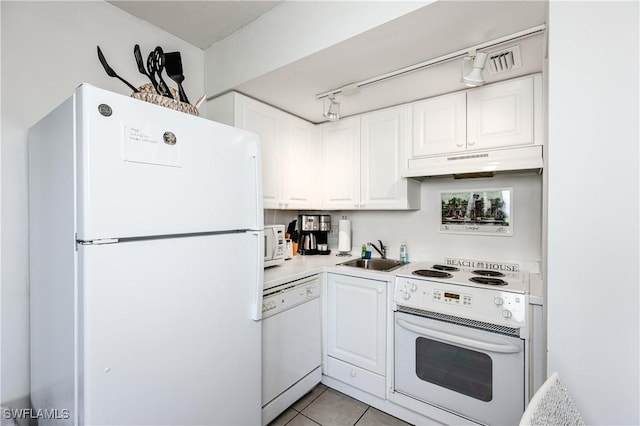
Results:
x,y
505,348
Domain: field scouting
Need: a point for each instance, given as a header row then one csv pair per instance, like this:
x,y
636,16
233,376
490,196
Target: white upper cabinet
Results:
x,y
363,158
341,164
300,177
289,149
267,123
505,114
383,145
501,114
363,161
439,125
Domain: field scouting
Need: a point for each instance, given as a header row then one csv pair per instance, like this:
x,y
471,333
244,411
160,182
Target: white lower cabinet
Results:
x,y
356,332
357,377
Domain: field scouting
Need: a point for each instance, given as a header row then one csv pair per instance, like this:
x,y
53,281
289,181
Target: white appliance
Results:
x,y
477,162
291,344
274,245
461,340
135,232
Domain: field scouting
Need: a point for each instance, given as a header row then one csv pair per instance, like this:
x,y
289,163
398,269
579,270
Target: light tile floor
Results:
x,y
327,407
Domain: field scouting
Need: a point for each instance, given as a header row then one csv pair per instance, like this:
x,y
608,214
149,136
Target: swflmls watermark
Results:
x,y
40,413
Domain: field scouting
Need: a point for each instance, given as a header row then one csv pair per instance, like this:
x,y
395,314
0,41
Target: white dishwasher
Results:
x,y
291,344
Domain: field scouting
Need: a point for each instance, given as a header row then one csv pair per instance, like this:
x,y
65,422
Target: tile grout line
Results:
x,y
313,400
300,411
362,415
309,418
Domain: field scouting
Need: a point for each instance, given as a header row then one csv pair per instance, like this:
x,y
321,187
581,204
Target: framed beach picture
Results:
x,y
477,211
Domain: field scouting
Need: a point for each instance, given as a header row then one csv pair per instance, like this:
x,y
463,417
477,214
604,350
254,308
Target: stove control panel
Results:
x,y
487,305
453,298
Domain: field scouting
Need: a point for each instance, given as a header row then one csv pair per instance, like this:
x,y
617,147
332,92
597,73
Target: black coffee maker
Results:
x,y
309,226
314,234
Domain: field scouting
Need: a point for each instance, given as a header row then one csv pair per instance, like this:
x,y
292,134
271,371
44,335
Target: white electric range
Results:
x,y
461,339
483,291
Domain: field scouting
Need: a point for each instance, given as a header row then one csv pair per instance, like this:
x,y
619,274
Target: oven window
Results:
x,y
458,369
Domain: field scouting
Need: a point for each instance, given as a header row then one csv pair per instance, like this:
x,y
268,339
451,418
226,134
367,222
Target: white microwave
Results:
x,y
274,245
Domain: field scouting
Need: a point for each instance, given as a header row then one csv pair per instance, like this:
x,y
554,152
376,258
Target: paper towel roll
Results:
x,y
344,235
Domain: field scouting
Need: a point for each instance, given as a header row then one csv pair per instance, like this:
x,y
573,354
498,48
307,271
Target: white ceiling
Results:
x,y
439,28
200,23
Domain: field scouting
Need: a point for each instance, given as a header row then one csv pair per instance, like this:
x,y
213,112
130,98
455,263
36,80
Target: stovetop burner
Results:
x,y
468,275
488,280
487,273
446,268
431,273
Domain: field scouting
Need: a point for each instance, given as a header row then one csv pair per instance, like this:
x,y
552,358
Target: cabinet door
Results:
x,y
439,125
356,316
267,123
300,164
500,114
382,147
341,164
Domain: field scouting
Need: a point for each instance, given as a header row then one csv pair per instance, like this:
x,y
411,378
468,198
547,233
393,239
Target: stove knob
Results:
x,y
406,295
309,291
498,301
506,314
414,287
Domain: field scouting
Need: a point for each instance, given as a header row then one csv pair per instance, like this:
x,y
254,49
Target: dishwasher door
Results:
x,y
291,344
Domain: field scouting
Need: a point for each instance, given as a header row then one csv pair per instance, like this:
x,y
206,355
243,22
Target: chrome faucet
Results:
x,y
382,250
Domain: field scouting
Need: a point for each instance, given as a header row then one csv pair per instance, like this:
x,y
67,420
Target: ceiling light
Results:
x,y
434,61
332,111
474,77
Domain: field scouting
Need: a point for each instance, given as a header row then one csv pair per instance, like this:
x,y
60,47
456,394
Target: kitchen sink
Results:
x,y
384,265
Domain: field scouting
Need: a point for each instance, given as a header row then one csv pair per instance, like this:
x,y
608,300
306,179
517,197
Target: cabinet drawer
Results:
x,y
356,377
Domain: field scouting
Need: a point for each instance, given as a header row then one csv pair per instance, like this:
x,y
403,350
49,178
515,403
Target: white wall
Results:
x,y
421,231
48,49
290,32
593,201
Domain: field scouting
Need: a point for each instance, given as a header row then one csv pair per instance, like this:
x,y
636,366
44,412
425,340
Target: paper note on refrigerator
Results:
x,y
150,144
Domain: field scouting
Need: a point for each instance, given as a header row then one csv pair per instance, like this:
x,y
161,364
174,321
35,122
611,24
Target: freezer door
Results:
x,y
148,170
165,334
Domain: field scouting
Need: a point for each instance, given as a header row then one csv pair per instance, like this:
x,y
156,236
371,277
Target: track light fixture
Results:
x,y
474,77
477,59
332,110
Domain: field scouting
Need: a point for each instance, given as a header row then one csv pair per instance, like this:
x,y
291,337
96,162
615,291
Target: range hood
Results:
x,y
477,163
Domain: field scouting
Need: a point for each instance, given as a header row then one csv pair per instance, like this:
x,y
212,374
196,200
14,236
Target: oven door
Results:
x,y
474,373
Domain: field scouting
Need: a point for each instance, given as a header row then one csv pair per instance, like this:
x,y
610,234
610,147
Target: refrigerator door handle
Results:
x,y
256,306
257,164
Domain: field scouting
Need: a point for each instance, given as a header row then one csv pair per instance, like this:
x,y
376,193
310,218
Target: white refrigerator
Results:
x,y
146,266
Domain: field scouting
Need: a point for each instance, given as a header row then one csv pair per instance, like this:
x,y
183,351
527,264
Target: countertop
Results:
x,y
299,267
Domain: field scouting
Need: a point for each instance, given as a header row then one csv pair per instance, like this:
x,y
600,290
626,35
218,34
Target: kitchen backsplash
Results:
x,y
420,229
